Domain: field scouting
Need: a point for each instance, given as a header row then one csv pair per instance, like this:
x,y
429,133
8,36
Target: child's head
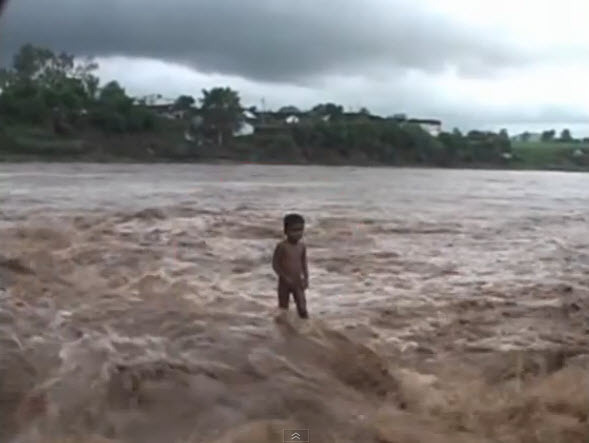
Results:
x,y
294,225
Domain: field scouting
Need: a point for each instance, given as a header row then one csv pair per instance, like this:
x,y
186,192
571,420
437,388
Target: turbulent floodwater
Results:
x,y
138,304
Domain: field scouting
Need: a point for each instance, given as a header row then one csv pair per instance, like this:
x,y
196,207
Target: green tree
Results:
x,y
548,135
328,109
116,112
455,147
112,109
84,72
7,77
42,85
184,102
31,61
112,92
221,110
565,136
50,70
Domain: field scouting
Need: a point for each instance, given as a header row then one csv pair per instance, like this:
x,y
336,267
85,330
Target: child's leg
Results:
x,y
283,295
301,302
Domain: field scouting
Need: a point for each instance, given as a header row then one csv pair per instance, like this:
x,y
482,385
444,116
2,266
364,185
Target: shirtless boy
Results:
x,y
290,264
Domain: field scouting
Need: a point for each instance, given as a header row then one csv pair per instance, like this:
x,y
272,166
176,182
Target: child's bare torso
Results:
x,y
291,259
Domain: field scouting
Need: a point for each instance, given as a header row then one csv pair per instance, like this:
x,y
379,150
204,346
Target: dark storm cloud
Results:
x,y
268,40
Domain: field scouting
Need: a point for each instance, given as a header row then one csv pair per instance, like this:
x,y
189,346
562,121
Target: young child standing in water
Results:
x,y
290,264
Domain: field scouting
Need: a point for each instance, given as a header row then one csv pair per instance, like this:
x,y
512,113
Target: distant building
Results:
x,y
249,115
359,117
168,111
278,121
164,107
292,120
431,126
245,129
275,122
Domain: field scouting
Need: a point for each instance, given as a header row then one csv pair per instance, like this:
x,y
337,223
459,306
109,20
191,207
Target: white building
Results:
x,y
292,120
244,129
249,115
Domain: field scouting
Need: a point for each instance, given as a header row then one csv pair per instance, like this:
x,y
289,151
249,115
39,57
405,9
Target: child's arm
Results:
x,y
276,264
305,268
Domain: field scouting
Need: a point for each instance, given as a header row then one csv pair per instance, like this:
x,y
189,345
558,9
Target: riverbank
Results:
x,y
169,145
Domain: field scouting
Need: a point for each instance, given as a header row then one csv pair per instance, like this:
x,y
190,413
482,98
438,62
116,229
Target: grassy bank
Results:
x,y
167,144
550,155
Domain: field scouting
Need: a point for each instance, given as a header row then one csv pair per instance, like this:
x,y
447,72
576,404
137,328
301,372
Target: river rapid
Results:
x,y
138,304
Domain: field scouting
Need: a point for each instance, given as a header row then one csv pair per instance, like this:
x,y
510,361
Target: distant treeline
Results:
x,y
62,95
565,136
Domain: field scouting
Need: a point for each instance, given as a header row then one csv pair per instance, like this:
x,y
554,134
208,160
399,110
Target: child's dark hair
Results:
x,y
293,219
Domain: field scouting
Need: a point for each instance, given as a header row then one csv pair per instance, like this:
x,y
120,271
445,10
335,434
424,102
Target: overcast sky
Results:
x,y
471,63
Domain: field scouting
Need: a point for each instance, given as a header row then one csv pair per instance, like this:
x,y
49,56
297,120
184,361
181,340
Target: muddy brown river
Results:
x,y
138,304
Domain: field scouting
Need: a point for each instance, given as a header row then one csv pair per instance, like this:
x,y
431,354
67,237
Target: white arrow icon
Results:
x,y
295,436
